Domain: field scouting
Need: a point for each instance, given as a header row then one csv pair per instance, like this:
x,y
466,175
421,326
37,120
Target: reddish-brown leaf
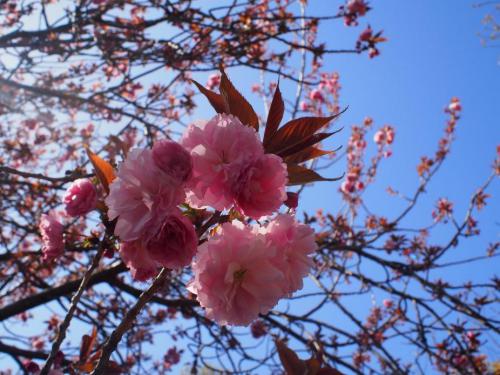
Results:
x,y
296,131
292,364
85,367
216,100
275,116
88,342
306,154
312,365
103,169
305,143
237,104
299,175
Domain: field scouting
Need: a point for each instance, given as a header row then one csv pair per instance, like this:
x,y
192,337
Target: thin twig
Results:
x,y
115,337
61,334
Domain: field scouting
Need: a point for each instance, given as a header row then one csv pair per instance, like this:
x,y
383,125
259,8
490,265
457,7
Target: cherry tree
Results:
x,y
140,238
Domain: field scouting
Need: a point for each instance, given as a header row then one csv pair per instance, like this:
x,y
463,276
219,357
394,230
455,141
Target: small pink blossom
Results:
x,y
373,52
141,195
295,243
387,303
259,186
258,329
347,187
389,133
379,137
357,6
52,236
31,367
455,105
256,88
215,146
317,95
213,81
173,159
366,34
235,278
80,198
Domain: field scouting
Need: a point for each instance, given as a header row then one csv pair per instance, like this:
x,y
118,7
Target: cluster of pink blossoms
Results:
x,y
239,272
143,198
79,200
243,271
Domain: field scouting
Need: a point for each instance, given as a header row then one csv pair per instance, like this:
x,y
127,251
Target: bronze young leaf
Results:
x,y
274,117
103,169
237,104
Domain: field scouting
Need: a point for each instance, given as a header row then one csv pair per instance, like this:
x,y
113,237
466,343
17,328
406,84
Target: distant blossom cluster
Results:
x,y
358,174
240,270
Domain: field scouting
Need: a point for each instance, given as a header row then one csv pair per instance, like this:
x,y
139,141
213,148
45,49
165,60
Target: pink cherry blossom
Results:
x,y
213,81
141,195
142,266
173,159
366,34
294,243
52,236
215,146
170,244
80,198
316,95
379,137
259,185
357,6
347,187
455,105
389,132
174,243
235,278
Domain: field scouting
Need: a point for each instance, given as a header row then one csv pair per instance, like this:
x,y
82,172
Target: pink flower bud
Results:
x,y
213,81
347,187
373,52
366,34
258,329
455,106
379,137
31,367
316,95
52,236
80,198
389,133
